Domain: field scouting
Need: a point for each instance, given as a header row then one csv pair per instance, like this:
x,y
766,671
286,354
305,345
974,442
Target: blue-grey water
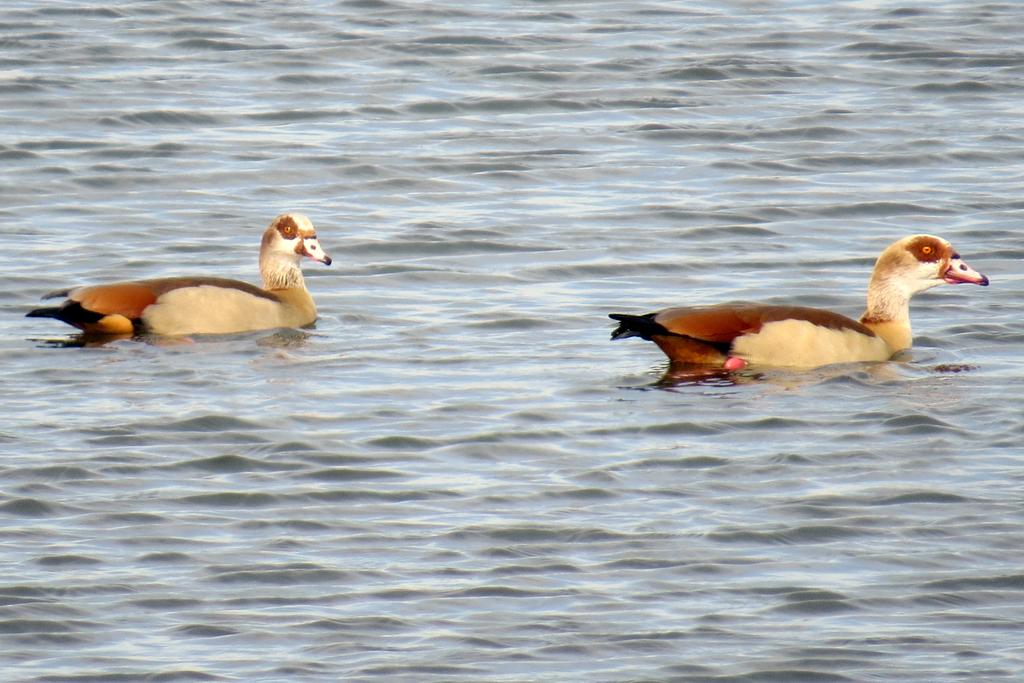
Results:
x,y
456,476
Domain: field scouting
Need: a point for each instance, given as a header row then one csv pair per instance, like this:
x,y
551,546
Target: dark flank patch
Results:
x,y
927,249
287,227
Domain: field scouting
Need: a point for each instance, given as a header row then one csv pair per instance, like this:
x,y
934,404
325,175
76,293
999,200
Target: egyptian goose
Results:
x,y
731,336
204,305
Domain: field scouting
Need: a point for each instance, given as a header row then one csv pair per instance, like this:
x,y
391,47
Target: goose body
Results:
x,y
204,305
732,336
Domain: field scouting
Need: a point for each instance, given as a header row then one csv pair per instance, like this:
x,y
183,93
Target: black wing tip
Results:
x,y
642,326
71,312
49,312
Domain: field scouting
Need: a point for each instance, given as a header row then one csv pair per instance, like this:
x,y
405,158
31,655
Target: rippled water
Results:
x,y
455,475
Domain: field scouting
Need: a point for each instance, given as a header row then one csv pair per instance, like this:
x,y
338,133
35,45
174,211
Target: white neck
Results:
x,y
280,272
888,301
888,311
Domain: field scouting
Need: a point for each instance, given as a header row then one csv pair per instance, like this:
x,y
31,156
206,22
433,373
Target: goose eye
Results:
x,y
287,229
926,250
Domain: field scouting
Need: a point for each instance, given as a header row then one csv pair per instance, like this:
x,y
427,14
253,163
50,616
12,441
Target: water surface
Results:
x,y
455,475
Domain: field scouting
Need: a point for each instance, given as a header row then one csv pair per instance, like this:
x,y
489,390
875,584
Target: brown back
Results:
x,y
131,298
723,323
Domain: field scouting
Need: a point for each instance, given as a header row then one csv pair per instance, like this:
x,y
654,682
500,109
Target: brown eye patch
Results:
x,y
287,227
926,249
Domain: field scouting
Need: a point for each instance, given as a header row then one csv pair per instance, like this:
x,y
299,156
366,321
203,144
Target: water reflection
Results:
x,y
682,375
280,339
79,341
